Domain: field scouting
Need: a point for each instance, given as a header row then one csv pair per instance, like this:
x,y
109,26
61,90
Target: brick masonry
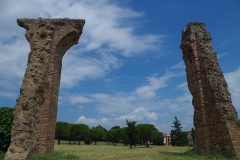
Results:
x,y
35,112
215,118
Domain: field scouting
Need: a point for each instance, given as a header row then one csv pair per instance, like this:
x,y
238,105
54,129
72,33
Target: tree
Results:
x,y
173,138
116,127
113,135
147,132
183,139
193,135
131,132
6,119
96,134
123,135
175,132
99,126
77,132
62,130
158,140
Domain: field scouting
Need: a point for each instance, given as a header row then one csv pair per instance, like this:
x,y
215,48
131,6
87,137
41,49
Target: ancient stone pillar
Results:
x,y
215,118
35,112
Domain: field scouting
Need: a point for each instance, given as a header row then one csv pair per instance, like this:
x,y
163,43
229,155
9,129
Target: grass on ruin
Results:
x,y
103,151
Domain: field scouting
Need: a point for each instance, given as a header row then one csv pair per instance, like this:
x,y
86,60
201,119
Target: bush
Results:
x,y
2,155
43,34
88,140
6,119
31,33
231,117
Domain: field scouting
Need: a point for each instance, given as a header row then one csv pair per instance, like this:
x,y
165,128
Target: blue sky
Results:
x,y
128,63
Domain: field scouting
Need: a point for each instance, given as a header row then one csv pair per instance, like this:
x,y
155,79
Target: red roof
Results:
x,y
165,134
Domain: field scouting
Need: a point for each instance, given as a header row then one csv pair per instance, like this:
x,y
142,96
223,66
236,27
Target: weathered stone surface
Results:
x,y
35,112
215,131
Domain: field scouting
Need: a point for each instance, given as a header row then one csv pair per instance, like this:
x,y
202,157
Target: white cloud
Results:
x,y
75,68
13,60
92,121
228,41
233,82
135,115
8,94
78,99
183,86
220,55
181,102
149,91
179,65
121,104
134,105
111,104
107,23
108,30
139,114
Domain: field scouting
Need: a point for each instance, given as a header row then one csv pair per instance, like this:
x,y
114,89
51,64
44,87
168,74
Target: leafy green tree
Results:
x,y
131,132
123,137
116,127
62,130
193,135
147,132
87,140
113,135
6,119
173,138
99,126
158,140
183,139
77,132
96,134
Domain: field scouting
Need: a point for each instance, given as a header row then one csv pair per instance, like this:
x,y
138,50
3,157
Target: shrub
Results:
x,y
42,57
43,34
31,33
88,140
6,119
231,117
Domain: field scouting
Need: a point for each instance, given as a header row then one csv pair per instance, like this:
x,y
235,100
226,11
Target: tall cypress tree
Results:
x,y
176,132
131,132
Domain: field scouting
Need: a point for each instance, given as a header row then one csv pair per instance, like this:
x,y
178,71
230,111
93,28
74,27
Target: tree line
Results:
x,y
130,135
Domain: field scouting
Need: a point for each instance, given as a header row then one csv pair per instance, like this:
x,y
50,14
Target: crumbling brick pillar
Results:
x,y
35,112
215,118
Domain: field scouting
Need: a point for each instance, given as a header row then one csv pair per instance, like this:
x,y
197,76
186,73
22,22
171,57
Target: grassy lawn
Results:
x,y
104,151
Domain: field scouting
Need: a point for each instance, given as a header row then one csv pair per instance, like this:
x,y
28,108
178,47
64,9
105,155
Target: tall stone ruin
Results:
x,y
35,112
215,118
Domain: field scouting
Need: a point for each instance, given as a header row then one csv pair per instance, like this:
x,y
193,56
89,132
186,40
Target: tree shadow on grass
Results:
x,y
143,147
194,155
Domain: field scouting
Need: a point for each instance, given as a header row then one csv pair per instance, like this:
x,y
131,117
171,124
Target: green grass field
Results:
x,y
104,151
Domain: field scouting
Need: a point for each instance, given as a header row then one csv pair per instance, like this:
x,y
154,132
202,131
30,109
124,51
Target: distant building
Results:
x,y
166,139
